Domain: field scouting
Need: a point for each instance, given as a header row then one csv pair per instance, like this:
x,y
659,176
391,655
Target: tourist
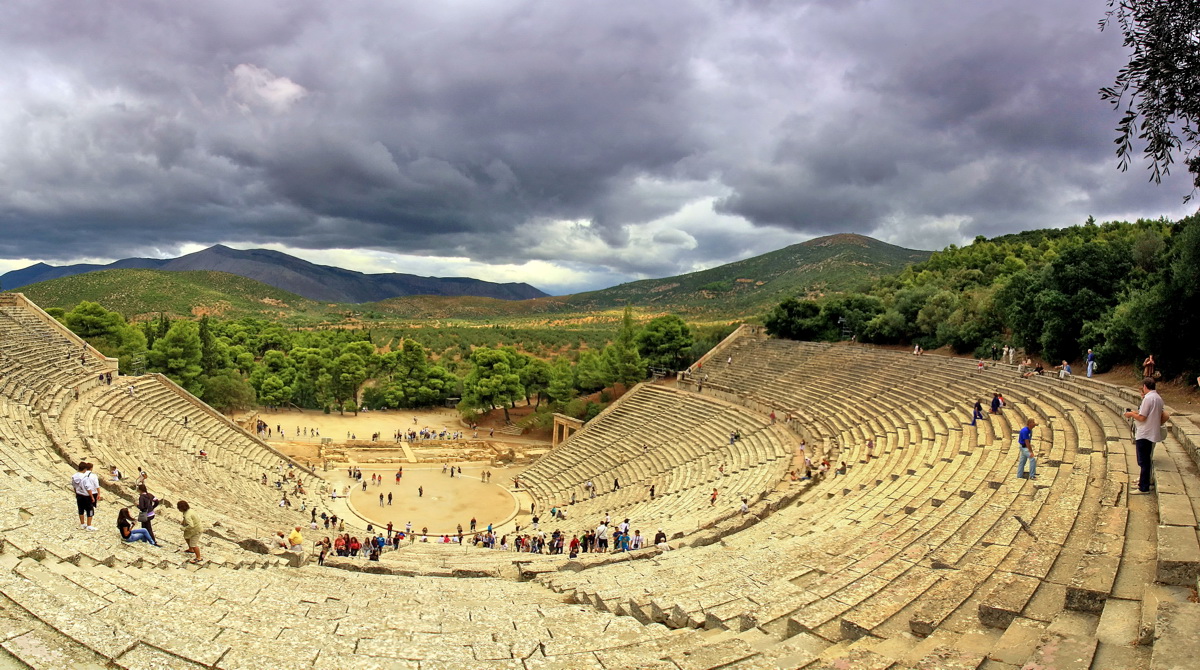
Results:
x,y
602,538
636,542
420,491
712,500
128,532
381,500
745,507
1148,367
1091,363
660,540
1064,370
87,494
1026,453
995,403
389,498
146,505
296,540
115,475
977,413
192,529
323,546
1149,417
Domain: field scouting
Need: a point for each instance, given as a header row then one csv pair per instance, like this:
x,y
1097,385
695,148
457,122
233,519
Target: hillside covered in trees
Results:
x,y
1122,289
236,364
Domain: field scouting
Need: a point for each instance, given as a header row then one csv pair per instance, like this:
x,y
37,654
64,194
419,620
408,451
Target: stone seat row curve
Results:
x,y
679,443
925,553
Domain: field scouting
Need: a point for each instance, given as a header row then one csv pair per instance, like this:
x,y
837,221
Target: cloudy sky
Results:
x,y
569,145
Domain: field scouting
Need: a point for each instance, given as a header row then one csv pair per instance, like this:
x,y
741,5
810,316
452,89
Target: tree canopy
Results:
x,y
1158,91
1122,289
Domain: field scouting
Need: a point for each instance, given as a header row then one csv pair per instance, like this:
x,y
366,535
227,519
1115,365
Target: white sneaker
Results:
x,y
90,527
82,526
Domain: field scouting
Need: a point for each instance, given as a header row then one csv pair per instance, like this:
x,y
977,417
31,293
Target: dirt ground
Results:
x,y
444,502
341,427
428,498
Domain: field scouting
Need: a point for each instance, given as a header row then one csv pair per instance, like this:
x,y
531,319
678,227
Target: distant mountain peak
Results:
x,y
324,283
842,238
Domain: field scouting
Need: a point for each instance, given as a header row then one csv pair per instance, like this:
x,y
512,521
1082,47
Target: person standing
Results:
x,y
296,540
1091,363
192,529
146,505
87,494
977,413
1149,417
1025,442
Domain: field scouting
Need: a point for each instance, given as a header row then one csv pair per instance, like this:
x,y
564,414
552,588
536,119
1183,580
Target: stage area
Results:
x,y
446,502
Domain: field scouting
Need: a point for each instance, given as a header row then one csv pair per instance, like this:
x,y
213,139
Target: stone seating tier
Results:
x,y
679,443
1087,435
927,554
146,429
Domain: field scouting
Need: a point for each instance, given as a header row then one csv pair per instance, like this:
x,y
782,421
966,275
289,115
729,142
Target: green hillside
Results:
x,y
137,293
824,265
749,287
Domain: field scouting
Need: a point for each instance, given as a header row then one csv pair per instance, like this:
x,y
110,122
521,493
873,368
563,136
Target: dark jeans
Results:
x,y
1145,460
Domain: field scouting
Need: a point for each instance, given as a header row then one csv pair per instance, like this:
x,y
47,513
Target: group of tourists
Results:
x,y
86,486
413,435
604,539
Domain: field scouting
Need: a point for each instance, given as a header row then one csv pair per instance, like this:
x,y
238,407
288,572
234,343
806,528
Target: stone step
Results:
x,y
1176,643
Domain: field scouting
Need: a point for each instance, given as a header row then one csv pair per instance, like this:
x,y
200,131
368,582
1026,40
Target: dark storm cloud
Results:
x,y
469,128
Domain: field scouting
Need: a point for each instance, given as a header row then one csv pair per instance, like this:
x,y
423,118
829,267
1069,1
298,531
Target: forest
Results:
x,y
237,364
1123,289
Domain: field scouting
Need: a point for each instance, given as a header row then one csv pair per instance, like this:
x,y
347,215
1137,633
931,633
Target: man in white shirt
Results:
x,y
1149,417
87,493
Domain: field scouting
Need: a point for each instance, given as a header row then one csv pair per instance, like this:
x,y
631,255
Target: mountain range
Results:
x,y
830,264
324,283
272,284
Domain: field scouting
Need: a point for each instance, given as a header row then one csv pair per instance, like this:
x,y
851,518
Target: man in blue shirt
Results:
x,y
1091,363
1025,440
